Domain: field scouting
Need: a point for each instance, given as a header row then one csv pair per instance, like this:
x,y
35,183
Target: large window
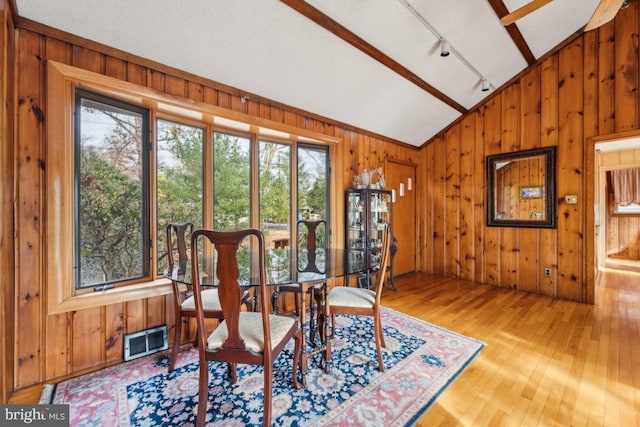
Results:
x,y
313,190
124,160
231,181
275,192
113,187
313,180
112,182
179,178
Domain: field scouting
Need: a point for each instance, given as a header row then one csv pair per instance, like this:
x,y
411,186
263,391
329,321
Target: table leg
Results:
x,y
324,344
324,335
304,357
275,297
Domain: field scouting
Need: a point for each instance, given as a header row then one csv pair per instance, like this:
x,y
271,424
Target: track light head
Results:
x,y
445,48
485,85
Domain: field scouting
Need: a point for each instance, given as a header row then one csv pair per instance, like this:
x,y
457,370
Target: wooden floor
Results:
x,y
546,362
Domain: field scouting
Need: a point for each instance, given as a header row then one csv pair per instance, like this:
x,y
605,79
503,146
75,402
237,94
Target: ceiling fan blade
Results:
x,y
604,13
523,11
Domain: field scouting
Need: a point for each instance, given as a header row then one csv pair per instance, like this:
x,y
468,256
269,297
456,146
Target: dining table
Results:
x,y
310,270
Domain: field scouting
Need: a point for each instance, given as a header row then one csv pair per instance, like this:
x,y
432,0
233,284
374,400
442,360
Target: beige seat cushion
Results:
x,y
252,332
343,296
210,301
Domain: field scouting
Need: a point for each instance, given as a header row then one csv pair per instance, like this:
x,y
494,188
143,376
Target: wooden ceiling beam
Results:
x,y
604,13
525,10
335,28
501,11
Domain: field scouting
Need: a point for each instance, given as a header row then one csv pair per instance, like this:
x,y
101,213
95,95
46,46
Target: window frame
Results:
x,y
145,225
327,173
59,177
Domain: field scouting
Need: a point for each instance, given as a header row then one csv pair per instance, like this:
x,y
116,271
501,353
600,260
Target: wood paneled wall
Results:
x,y
587,88
54,346
6,200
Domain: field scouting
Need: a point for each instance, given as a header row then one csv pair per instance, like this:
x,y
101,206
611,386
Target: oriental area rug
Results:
x,y
421,360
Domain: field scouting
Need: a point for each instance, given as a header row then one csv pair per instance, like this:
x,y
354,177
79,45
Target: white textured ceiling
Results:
x,y
266,48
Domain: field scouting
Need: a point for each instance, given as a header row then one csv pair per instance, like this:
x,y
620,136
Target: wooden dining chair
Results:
x,y
363,301
245,337
184,305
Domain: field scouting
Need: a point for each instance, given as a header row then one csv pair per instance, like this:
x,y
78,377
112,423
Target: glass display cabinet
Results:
x,y
366,213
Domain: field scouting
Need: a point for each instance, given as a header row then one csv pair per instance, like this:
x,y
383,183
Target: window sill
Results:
x,y
110,296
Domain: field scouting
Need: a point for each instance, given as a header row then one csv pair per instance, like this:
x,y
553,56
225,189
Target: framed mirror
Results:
x,y
521,188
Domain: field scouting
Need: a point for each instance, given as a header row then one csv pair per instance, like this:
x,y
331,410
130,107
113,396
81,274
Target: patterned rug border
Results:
x,y
422,406
346,410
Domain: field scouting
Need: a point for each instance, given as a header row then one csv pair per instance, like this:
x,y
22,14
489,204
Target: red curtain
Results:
x,y
626,186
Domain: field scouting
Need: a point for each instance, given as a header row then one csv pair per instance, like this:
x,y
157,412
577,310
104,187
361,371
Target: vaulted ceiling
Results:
x,y
371,64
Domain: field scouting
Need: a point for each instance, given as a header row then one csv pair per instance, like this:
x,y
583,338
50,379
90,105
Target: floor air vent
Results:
x,y
145,342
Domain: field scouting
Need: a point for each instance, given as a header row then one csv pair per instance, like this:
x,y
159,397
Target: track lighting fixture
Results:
x,y
445,48
485,86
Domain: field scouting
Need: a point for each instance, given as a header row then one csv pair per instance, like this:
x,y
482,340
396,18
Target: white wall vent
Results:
x,y
138,344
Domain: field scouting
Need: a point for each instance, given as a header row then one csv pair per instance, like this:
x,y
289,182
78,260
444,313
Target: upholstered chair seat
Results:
x,y
252,331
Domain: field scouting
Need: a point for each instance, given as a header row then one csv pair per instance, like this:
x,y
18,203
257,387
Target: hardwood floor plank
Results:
x,y
547,361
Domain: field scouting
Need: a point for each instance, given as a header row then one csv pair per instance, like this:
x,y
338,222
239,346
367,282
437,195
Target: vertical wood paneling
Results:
x,y
492,145
626,70
87,346
590,114
569,166
606,79
428,203
136,74
590,96
62,344
7,197
155,311
452,203
87,59
29,211
586,89
479,207
548,138
439,205
135,315
196,93
115,68
58,336
466,246
114,332
175,86
529,246
509,239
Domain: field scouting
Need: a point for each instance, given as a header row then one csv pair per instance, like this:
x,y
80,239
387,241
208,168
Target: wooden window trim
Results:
x,y
59,275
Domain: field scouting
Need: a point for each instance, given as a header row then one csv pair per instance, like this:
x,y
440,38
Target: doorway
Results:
x,y
401,178
617,226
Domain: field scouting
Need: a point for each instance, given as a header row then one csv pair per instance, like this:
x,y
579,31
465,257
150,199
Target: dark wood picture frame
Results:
x,y
521,188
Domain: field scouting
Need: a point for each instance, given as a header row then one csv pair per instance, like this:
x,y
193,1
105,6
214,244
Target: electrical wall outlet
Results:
x,y
547,271
571,199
